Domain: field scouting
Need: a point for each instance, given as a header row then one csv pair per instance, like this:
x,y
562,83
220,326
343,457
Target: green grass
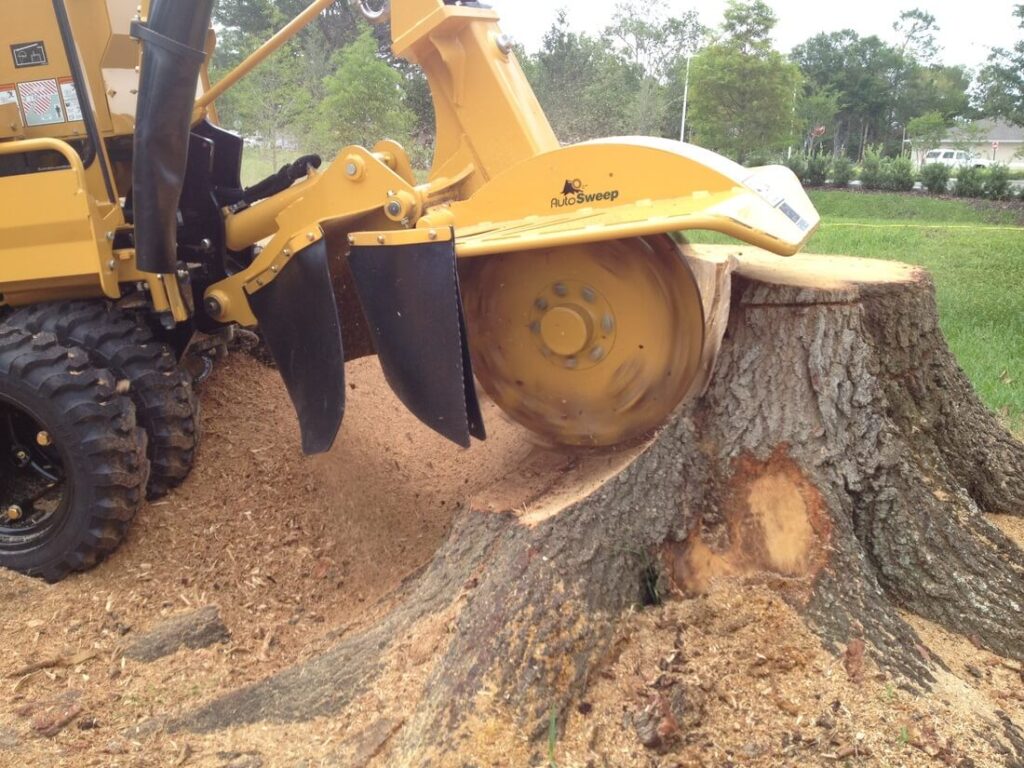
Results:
x,y
978,272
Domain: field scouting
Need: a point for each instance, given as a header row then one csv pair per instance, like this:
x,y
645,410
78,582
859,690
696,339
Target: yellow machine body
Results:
x,y
501,190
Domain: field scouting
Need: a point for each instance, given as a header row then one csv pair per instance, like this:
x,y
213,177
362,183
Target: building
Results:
x,y
995,140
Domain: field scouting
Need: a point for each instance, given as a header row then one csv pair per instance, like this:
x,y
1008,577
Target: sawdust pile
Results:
x,y
295,551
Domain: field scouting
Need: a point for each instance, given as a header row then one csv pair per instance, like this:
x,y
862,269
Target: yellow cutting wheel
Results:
x,y
588,345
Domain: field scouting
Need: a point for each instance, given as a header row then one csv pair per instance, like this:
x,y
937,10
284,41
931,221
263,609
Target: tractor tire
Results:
x,y
165,401
73,466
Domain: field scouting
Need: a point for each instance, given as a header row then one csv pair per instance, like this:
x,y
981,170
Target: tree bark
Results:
x,y
837,451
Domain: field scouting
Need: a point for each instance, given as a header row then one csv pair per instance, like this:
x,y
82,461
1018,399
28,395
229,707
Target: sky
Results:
x,y
968,29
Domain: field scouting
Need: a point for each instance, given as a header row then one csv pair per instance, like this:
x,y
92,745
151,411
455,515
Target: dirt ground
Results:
x,y
294,551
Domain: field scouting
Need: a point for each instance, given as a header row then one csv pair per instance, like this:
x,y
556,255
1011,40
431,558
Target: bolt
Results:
x,y
287,252
541,304
561,289
273,268
311,236
44,439
183,274
394,208
351,169
22,457
432,234
111,264
607,323
213,307
14,513
381,239
589,295
535,327
351,240
206,245
597,353
110,236
505,43
571,363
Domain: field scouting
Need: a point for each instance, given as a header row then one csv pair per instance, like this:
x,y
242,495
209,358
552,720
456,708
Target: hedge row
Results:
x,y
897,174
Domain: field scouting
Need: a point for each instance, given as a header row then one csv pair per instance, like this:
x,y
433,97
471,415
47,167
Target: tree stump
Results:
x,y
837,448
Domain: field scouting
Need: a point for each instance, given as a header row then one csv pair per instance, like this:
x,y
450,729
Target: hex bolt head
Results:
x,y
589,295
351,169
561,289
395,208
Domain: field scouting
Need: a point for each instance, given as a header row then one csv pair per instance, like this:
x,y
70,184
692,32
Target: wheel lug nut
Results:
x,y
597,353
589,295
44,439
14,513
541,304
607,323
560,289
571,363
535,327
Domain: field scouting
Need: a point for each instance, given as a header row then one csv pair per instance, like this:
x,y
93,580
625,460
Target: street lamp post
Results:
x,y
686,98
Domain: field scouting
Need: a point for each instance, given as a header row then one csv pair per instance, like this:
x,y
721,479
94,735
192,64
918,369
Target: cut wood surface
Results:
x,y
837,448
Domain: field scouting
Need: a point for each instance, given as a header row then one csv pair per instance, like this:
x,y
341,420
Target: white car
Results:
x,y
955,158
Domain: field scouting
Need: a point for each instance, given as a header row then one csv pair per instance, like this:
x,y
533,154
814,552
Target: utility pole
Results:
x,y
686,97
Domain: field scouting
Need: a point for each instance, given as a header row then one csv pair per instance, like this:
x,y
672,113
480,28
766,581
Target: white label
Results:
x,y
72,107
8,95
41,102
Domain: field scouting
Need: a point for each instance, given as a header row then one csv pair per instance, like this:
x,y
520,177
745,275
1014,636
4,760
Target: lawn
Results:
x,y
978,269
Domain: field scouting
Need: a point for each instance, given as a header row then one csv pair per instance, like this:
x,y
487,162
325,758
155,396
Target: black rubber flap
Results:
x,y
299,321
410,295
172,57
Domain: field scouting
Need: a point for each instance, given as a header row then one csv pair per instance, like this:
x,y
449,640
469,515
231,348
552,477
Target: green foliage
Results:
x,y
872,172
743,91
898,173
927,130
842,171
935,177
1001,81
970,182
818,167
364,100
997,182
797,164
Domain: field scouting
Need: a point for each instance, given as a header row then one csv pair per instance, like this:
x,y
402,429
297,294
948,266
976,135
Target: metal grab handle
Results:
x,y
380,16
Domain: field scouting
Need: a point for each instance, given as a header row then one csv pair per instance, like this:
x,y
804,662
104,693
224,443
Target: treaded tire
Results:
x,y
165,403
103,452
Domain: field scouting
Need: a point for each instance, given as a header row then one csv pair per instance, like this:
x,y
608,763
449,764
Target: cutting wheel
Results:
x,y
588,345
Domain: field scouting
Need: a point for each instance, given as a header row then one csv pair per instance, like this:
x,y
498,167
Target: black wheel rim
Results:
x,y
35,488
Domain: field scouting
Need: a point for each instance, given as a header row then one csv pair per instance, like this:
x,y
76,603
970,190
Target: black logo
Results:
x,y
574,193
29,55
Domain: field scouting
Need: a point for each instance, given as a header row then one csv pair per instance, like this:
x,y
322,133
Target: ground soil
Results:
x,y
296,551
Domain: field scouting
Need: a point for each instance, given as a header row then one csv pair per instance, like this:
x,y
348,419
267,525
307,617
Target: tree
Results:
x,y
586,89
1001,81
743,92
364,101
926,131
917,30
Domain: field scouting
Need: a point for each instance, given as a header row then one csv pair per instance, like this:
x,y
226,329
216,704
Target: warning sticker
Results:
x,y
41,102
72,106
8,94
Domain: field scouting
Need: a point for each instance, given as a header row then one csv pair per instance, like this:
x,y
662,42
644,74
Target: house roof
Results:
x,y
988,130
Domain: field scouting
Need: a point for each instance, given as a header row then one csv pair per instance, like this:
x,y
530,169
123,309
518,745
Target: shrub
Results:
x,y
898,174
817,170
842,171
797,165
872,175
935,177
970,182
997,183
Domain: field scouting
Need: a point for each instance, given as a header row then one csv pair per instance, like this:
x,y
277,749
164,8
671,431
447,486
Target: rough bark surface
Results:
x,y
838,448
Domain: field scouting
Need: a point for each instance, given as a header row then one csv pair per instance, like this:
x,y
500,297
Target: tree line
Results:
x,y
837,93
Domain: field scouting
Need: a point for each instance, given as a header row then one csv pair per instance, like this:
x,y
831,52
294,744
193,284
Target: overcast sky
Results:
x,y
968,28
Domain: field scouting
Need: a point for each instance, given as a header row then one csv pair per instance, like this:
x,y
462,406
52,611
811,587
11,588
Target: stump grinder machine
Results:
x,y
129,250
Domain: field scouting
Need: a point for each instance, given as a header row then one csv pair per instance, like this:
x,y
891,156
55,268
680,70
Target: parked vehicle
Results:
x,y
956,158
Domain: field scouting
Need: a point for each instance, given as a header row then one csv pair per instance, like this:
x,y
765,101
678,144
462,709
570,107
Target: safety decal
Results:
x,y
29,54
8,94
72,106
41,102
